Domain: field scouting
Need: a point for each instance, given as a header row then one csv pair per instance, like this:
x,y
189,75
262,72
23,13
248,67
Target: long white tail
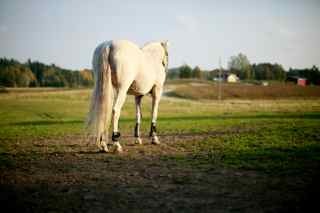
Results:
x,y
100,111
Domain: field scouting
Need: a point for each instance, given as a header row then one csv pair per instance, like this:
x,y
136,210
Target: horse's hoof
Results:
x,y
103,151
104,147
155,140
118,148
138,141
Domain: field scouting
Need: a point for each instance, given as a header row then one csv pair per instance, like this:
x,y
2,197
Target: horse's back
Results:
x,y
119,47
124,45
129,66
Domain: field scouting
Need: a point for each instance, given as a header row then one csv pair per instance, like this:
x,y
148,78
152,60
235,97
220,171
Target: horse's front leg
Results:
x,y
138,120
156,95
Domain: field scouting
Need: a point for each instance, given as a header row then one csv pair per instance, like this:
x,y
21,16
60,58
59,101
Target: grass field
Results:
x,y
235,155
196,90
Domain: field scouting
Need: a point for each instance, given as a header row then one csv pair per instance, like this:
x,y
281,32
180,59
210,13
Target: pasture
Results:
x,y
241,154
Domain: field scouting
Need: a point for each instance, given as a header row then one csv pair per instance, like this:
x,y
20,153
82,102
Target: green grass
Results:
x,y
289,147
267,135
251,155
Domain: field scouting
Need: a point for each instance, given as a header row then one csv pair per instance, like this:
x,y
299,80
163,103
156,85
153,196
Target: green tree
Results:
x,y
240,66
312,74
173,73
185,71
51,78
279,73
24,77
268,71
14,74
197,73
7,77
86,77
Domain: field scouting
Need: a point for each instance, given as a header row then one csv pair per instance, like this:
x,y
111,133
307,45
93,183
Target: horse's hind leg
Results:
x,y
138,120
156,95
120,99
102,142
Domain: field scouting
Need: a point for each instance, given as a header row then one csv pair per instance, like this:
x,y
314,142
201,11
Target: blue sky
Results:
x,y
199,32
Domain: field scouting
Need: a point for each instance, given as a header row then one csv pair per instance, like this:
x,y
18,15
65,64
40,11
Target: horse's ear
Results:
x,y
165,44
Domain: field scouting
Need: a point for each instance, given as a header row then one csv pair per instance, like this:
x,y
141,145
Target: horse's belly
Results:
x,y
136,89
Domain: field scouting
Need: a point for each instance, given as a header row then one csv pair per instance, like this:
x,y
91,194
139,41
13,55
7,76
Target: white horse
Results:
x,y
121,67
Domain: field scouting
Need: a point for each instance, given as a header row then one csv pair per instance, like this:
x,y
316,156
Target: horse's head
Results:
x,y
159,51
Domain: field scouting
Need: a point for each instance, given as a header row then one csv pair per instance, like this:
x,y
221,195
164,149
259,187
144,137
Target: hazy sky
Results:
x,y
199,32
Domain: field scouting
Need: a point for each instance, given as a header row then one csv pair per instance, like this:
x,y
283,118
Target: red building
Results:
x,y
302,82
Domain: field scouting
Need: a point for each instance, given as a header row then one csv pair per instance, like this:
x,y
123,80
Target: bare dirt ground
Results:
x,y
68,175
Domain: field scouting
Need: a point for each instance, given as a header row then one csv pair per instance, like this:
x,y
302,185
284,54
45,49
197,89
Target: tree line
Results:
x,y
37,74
240,66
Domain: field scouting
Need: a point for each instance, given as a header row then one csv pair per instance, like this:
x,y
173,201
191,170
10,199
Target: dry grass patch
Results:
x,y
202,90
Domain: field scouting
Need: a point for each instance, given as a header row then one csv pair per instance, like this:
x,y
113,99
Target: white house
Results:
x,y
232,78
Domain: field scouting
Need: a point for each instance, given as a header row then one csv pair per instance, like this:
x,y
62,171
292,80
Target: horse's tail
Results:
x,y
100,111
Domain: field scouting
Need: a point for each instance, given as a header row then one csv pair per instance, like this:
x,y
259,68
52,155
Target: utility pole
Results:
x,y
220,81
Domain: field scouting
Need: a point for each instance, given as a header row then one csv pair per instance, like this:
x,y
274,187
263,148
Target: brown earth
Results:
x,y
68,175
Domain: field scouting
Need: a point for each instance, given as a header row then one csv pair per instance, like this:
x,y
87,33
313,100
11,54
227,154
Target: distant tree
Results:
x,y
24,77
197,73
268,71
14,74
86,77
51,78
173,73
312,74
76,79
269,74
279,73
240,66
7,77
33,73
185,71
